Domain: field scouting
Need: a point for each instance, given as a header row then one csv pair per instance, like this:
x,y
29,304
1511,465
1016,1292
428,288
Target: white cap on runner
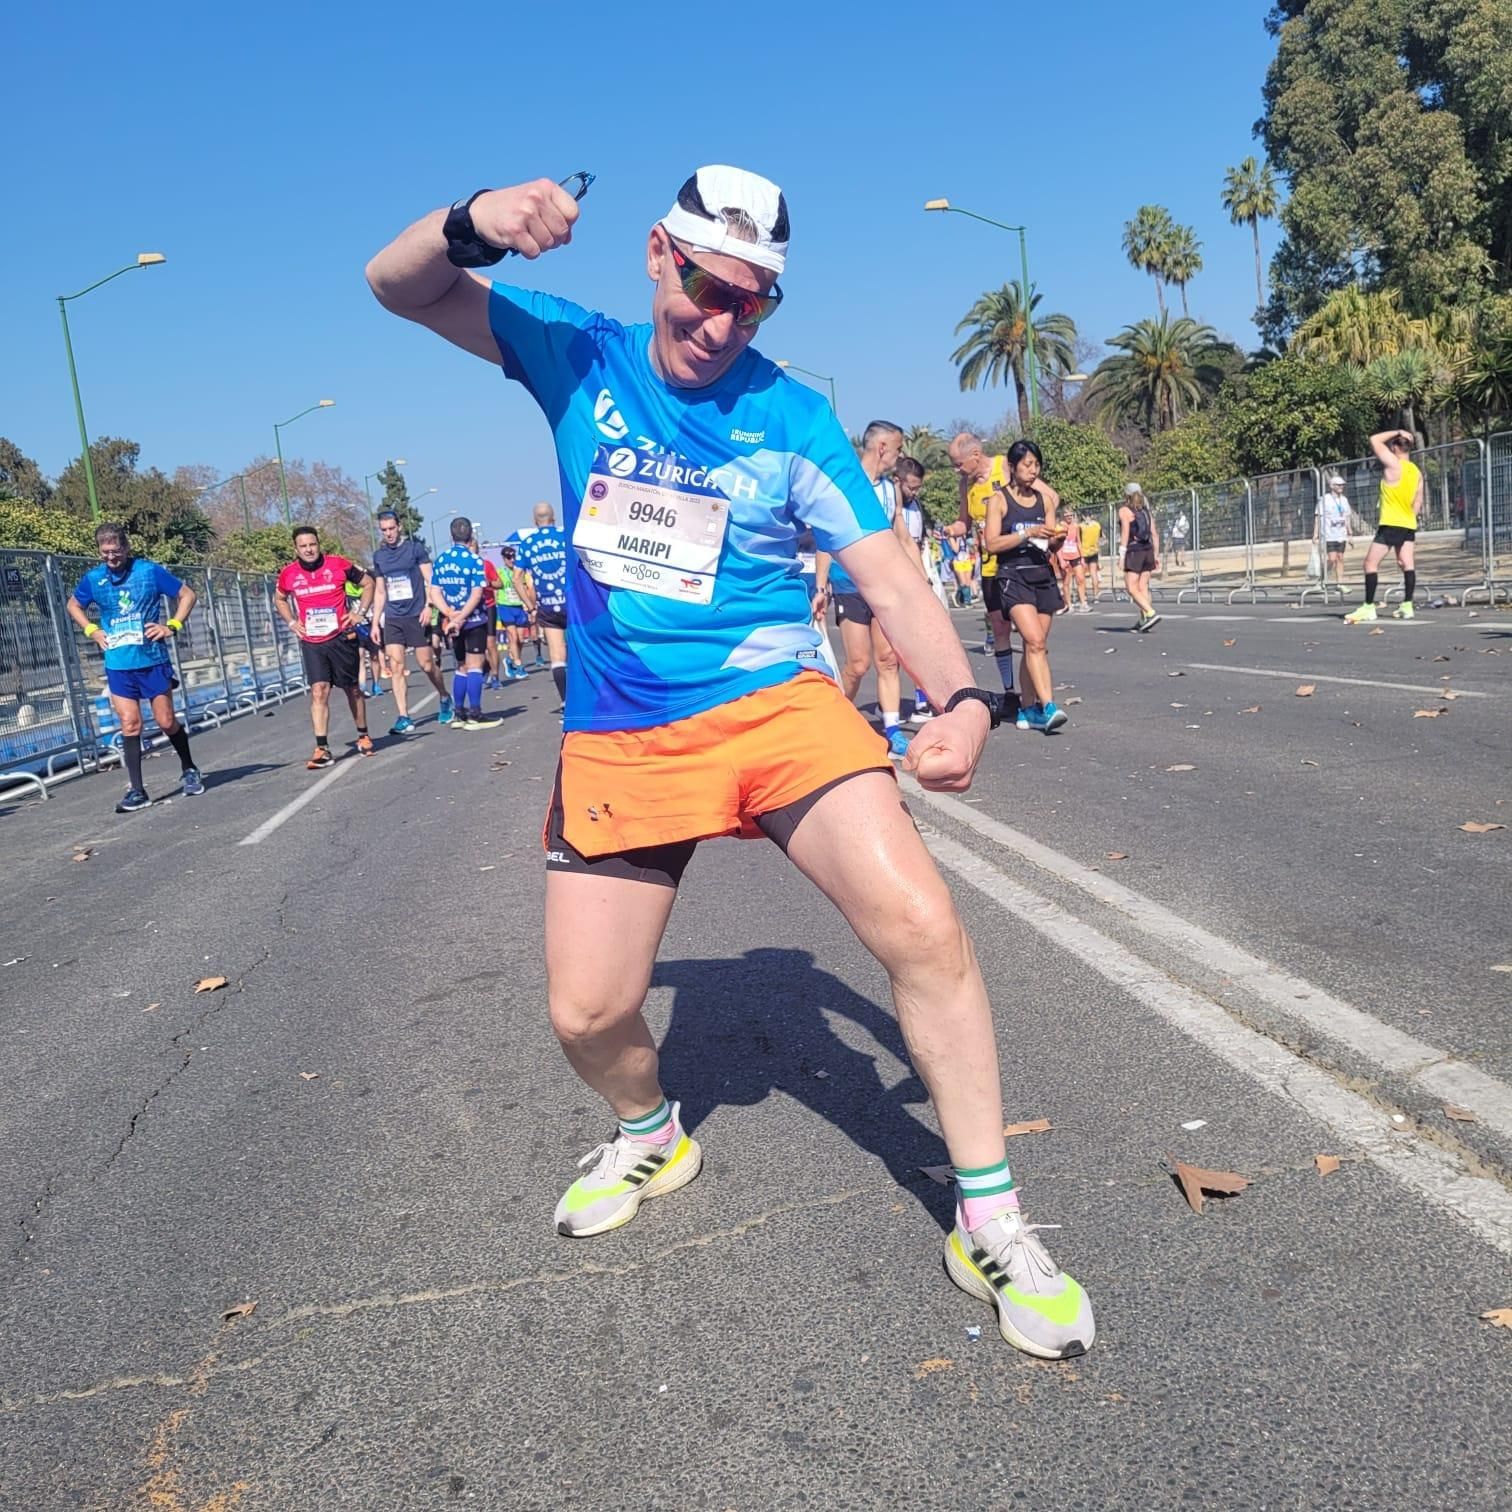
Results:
x,y
1130,489
718,195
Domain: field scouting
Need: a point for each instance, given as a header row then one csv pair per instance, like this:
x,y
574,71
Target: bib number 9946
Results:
x,y
644,512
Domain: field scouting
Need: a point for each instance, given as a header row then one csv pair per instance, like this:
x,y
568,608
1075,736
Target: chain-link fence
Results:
x,y
233,656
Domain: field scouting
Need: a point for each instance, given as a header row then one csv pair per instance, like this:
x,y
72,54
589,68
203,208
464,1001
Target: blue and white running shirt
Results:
x,y
543,554
128,602
682,507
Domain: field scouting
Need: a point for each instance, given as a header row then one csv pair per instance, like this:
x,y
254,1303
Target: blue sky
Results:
x,y
269,150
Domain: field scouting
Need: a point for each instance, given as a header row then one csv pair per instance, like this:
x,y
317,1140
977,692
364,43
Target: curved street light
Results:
x,y
283,482
143,260
239,478
793,367
1030,375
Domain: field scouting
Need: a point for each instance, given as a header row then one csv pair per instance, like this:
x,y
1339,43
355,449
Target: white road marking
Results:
x,y
1433,1173
1428,1067
288,811
1353,682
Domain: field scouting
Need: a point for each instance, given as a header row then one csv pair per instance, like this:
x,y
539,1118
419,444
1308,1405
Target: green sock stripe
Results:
x,y
657,1118
1006,1185
979,1173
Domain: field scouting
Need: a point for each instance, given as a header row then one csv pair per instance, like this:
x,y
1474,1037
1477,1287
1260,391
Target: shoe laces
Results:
x,y
1020,1253
611,1160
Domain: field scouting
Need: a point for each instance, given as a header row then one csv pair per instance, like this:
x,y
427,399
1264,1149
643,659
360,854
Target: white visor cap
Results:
x,y
718,195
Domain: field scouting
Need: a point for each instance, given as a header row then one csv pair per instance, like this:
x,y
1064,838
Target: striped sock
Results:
x,y
656,1127
984,1192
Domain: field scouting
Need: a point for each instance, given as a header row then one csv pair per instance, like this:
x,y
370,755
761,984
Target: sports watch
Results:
x,y
994,702
464,247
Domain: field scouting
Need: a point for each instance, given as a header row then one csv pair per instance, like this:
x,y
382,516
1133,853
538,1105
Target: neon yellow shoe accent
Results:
x,y
624,1173
1404,611
1364,615
1053,1322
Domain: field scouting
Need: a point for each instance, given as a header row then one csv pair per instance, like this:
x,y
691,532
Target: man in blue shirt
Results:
x,y
127,593
457,581
699,705
401,574
540,579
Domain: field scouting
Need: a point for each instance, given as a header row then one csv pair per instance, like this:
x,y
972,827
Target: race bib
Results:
x,y
124,632
651,524
321,622
400,589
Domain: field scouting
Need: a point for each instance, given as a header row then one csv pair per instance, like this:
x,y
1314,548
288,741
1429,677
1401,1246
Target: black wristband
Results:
x,y
994,702
464,247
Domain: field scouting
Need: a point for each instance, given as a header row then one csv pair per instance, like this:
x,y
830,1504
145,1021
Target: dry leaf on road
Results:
x,y
241,1310
1326,1164
1449,694
1459,1114
209,984
1307,762
309,1076
1118,855
1182,766
1474,827
929,1367
1307,690
1029,1126
1498,1317
1253,709
152,1008
1228,643
1175,674
1195,1180
1428,713
82,853
940,1175
1378,632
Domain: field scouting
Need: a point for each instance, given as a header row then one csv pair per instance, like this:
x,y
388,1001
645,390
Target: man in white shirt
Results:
x,y
1332,528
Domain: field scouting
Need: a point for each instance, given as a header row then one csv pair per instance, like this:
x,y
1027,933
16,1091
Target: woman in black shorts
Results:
x,y
1139,552
1021,529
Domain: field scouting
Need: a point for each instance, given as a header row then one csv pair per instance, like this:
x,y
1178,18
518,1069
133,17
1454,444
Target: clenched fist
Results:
x,y
529,218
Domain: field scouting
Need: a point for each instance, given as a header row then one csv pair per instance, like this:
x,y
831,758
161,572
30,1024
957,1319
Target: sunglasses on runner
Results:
x,y
714,296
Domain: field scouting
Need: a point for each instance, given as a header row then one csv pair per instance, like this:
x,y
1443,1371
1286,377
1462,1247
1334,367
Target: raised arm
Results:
x,y
413,277
1390,462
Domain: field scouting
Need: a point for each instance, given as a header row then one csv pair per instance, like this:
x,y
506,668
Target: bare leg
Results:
x,y
596,994
1138,584
856,644
860,848
426,660
889,684
1034,632
398,677
358,705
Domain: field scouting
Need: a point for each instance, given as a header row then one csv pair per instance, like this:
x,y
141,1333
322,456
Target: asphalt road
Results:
x,y
365,1131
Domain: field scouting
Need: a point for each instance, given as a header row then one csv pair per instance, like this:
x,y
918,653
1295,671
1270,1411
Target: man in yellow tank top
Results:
x,y
981,476
1401,498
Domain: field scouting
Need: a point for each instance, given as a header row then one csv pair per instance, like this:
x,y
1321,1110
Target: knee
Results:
x,y
131,723
930,937
856,666
1034,642
578,1020
887,661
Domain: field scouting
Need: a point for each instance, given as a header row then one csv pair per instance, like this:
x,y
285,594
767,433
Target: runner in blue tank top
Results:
x,y
698,704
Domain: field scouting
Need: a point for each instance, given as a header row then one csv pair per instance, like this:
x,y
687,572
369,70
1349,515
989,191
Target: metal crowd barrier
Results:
x,y
234,656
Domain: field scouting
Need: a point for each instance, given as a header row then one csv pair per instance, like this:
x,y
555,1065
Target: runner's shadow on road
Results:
x,y
224,776
742,1028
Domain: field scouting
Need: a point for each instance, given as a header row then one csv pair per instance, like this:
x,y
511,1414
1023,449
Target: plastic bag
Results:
x,y
1314,562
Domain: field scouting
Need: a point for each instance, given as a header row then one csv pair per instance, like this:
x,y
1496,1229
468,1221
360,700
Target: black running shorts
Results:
x,y
333,661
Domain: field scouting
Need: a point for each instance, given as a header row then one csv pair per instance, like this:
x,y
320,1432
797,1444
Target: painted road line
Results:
x,y
1353,682
288,811
1434,1070
1435,1174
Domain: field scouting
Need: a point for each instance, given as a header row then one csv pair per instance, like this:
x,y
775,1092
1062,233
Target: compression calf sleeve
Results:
x,y
179,740
1409,585
131,752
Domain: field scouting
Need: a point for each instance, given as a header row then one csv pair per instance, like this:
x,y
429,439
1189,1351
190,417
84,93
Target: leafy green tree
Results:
x,y
1194,451
1403,385
25,522
1294,413
1183,261
1081,463
1485,386
996,348
269,548
927,447
159,514
1147,244
1389,122
20,477
396,497
1164,369
1358,326
1249,196
941,495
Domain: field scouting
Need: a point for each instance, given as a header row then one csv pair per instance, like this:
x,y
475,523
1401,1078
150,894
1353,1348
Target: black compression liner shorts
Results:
x,y
472,641
992,593
1034,586
332,661
853,608
664,865
552,619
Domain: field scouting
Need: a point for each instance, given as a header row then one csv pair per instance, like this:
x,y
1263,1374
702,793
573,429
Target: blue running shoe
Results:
x,y
135,799
402,726
897,742
192,784
1021,719
1055,717
492,682
1032,718
447,714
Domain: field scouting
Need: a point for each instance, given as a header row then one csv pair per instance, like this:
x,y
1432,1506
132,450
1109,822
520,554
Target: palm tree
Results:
x,y
1249,196
1487,382
1405,384
1147,244
926,446
1183,261
1165,368
995,349
1359,326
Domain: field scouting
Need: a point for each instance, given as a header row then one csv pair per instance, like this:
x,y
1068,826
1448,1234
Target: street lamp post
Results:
x,y
793,367
372,525
283,482
241,480
448,515
144,260
1030,365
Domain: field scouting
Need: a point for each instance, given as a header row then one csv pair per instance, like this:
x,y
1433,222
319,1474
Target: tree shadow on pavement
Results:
x,y
744,1027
